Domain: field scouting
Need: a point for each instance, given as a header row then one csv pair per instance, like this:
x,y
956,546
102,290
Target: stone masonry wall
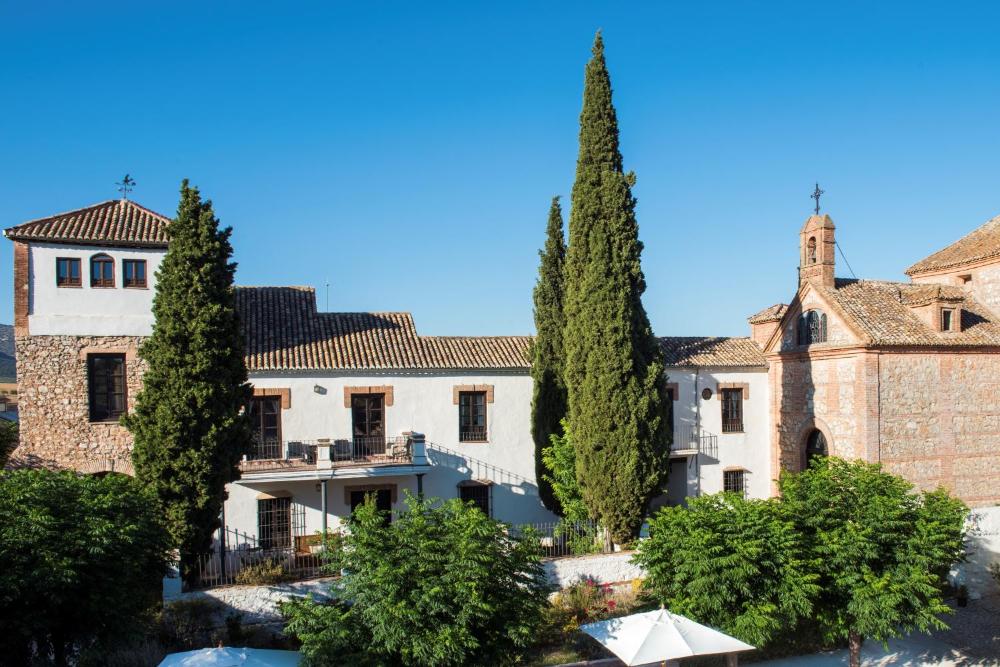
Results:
x,y
55,425
941,422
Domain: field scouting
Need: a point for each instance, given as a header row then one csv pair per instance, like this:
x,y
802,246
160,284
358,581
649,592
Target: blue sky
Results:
x,y
407,153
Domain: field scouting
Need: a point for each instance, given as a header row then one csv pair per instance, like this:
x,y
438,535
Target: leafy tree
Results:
x,y
881,551
731,563
82,559
614,365
559,459
8,440
442,584
548,402
189,429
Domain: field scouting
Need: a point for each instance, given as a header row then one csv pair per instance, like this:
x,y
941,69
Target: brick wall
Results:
x,y
56,430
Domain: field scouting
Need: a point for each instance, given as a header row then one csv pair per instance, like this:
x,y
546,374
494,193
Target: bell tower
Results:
x,y
816,251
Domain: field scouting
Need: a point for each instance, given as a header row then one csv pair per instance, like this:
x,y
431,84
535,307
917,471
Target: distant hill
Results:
x,y
7,372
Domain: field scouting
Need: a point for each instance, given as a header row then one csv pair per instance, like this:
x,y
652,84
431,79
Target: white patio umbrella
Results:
x,y
233,657
658,636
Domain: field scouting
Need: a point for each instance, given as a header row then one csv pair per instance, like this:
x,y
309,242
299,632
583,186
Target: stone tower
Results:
x,y
816,251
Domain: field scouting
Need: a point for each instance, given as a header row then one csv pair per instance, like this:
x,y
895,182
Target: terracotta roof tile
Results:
x,y
118,222
284,331
979,244
709,351
883,312
769,314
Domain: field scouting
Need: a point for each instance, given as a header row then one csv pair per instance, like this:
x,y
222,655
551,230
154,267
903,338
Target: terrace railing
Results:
x,y
689,437
329,452
567,538
240,558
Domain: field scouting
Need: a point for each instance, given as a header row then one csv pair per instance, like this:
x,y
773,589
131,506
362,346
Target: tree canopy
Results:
x,y
442,584
733,563
881,550
614,365
548,401
189,427
82,559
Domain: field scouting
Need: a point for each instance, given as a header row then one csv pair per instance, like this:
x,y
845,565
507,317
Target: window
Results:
x,y
106,380
134,272
947,319
476,493
367,416
812,327
734,481
732,410
472,416
265,420
102,271
811,250
68,272
274,523
381,497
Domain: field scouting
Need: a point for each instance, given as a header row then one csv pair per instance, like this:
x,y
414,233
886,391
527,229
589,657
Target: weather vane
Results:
x,y
817,193
126,185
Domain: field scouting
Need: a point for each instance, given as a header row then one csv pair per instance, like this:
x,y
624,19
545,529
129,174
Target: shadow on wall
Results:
x,y
514,497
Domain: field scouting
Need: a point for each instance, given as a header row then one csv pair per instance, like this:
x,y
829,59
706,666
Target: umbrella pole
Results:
x,y
732,660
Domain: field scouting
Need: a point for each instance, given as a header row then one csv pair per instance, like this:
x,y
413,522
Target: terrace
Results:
x,y
273,455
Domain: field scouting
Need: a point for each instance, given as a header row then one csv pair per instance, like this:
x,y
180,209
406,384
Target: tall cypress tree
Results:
x,y
614,365
548,402
188,425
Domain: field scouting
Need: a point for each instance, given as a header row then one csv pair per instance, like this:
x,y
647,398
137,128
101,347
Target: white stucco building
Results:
x,y
345,405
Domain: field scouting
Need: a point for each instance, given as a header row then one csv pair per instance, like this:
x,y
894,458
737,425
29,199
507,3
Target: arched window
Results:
x,y
811,250
812,327
102,271
815,446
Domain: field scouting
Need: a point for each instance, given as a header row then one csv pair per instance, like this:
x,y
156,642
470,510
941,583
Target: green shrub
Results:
x,y
82,560
263,573
442,584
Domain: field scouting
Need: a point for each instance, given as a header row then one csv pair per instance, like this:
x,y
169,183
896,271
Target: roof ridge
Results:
x,y
913,268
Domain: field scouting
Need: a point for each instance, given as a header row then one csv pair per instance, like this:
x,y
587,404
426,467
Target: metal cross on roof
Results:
x,y
126,185
817,193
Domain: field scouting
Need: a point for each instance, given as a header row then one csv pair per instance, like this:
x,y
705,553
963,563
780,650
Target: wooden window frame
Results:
x,y
730,397
133,283
102,283
92,393
467,431
256,413
949,320
69,282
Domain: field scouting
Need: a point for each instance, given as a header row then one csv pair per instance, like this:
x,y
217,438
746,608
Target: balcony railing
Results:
x,y
692,438
268,454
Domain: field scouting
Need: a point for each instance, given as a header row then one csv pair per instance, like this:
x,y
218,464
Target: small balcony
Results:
x,y
327,453
689,440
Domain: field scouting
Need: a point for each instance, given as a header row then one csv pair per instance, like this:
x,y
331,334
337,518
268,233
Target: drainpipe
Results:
x,y
323,502
697,427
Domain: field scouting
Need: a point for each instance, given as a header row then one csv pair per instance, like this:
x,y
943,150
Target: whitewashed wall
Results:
x,y
87,311
749,450
422,402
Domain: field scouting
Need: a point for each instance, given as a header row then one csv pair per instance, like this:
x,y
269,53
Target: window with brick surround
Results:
x,y
265,420
102,271
472,416
108,392
68,272
476,493
734,481
134,272
812,327
274,523
732,410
